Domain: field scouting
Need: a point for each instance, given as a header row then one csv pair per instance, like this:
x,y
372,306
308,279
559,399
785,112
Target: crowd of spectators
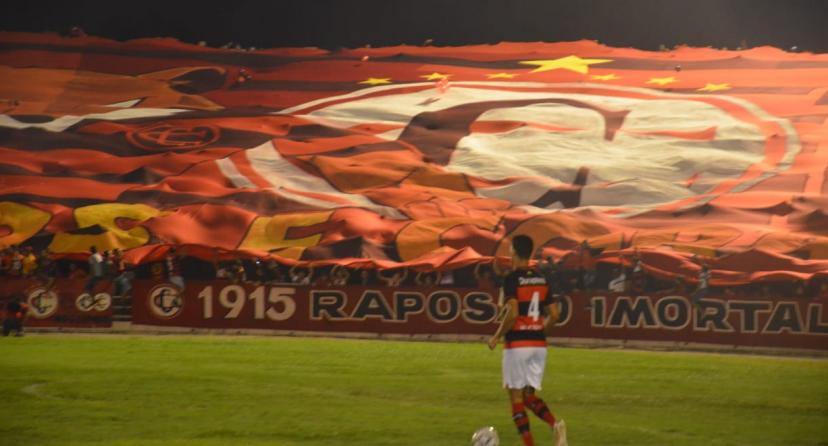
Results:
x,y
565,276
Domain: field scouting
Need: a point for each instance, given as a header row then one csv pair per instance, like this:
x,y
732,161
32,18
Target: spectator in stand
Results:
x,y
77,31
110,270
636,263
394,279
5,261
16,264
259,272
619,283
237,273
323,279
638,279
551,271
46,270
821,288
428,279
586,265
222,270
274,272
679,286
173,264
29,262
365,277
157,271
251,270
547,265
16,312
75,272
703,286
340,275
484,277
123,279
446,278
96,269
799,288
301,276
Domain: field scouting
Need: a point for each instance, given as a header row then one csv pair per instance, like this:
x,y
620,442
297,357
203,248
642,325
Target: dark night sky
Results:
x,y
351,23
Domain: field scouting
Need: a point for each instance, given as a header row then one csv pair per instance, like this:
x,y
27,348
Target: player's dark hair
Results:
x,y
523,246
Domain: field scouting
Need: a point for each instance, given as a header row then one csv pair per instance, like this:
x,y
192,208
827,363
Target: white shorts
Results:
x,y
523,367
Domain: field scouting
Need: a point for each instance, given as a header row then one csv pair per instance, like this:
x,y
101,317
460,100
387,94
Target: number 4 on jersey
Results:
x,y
534,306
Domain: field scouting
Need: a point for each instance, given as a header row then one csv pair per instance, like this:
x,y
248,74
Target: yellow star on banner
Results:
x,y
662,80
435,76
715,87
606,77
377,81
571,63
501,75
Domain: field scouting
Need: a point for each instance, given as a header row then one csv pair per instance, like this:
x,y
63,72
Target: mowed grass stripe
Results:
x,y
219,390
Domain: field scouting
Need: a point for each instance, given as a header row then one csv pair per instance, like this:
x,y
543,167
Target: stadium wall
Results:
x,y
423,313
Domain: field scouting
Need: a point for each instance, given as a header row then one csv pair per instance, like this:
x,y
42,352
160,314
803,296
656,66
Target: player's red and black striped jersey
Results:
x,y
531,290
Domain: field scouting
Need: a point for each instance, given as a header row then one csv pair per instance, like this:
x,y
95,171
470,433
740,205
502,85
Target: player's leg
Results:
x,y
538,406
535,365
514,379
519,416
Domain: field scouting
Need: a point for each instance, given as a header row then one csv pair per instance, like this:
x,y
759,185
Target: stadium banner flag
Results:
x,y
666,317
65,305
429,157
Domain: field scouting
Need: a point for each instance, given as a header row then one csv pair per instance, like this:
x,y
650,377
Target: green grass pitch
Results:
x,y
208,390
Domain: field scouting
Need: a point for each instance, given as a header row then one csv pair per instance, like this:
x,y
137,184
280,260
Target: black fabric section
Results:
x,y
315,131
198,81
32,119
141,175
89,230
38,140
525,335
262,203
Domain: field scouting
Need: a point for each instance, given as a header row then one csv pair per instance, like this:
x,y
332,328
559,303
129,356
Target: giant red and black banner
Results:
x,y
429,157
771,323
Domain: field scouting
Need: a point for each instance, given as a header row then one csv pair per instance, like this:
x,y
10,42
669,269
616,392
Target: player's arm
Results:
x,y
553,309
509,318
554,312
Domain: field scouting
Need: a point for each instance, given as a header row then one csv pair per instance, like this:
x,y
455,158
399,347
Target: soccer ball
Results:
x,y
485,436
